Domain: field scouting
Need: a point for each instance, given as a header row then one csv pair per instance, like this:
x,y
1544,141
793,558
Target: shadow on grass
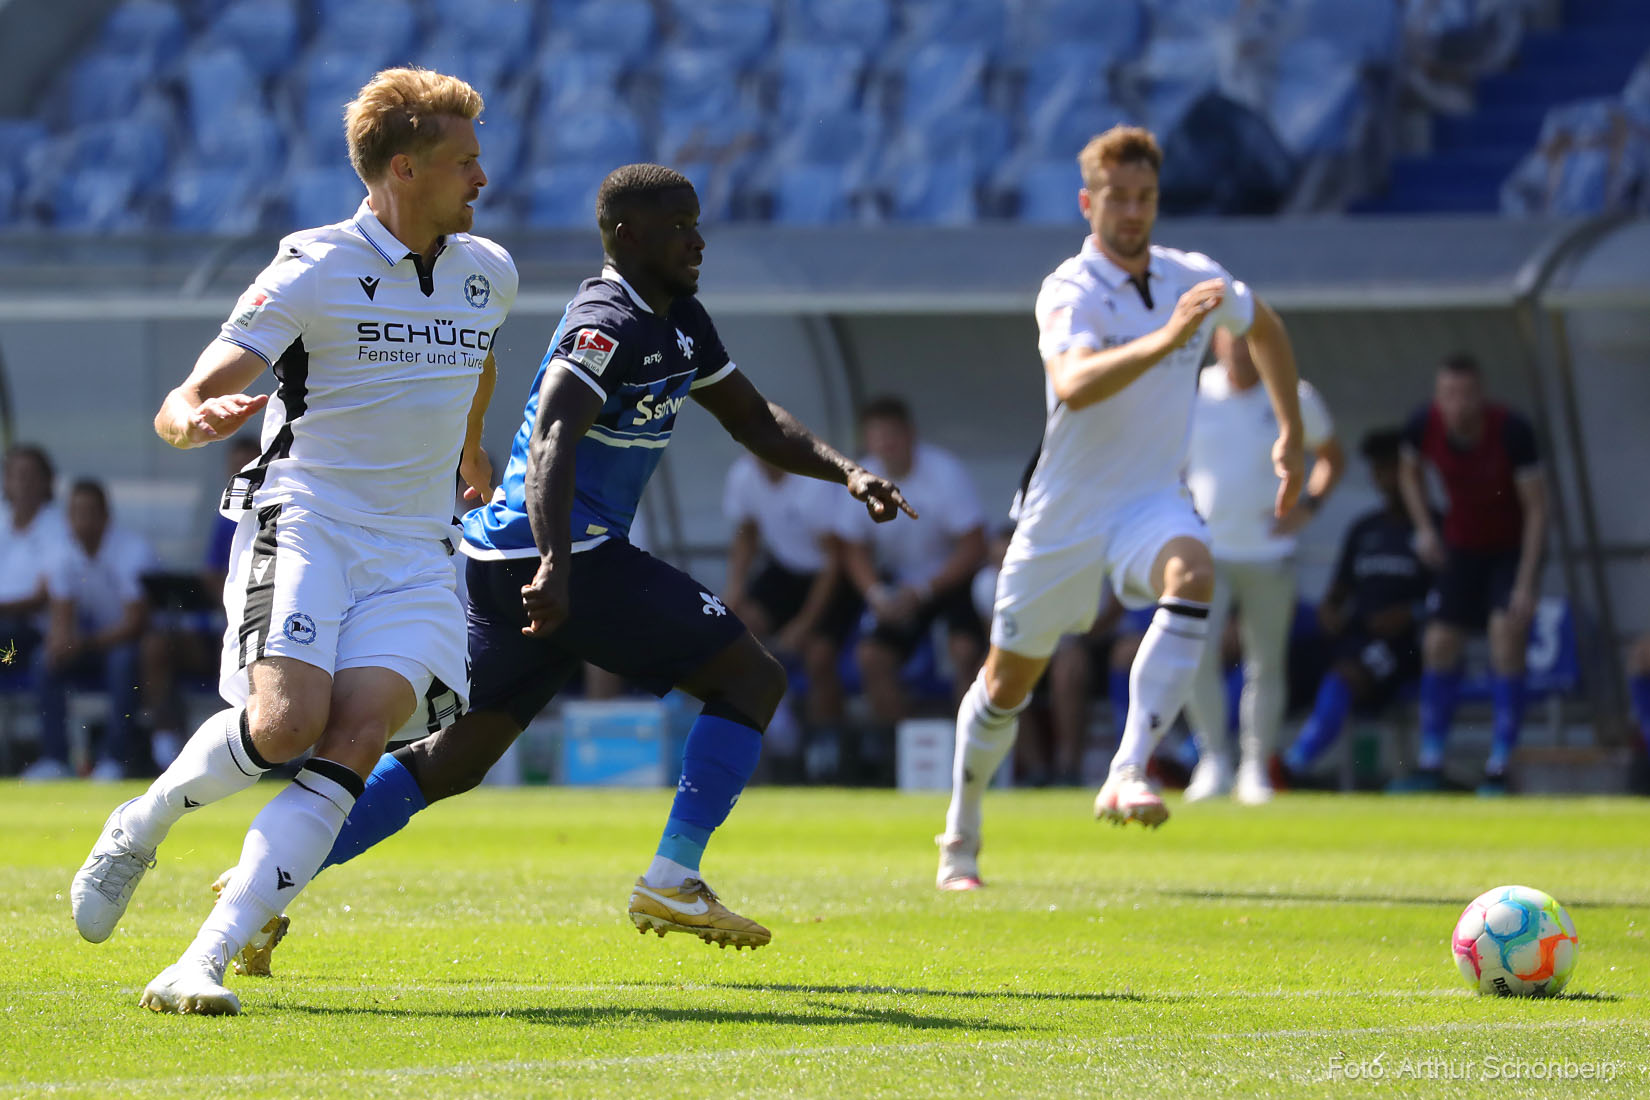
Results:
x,y
1312,897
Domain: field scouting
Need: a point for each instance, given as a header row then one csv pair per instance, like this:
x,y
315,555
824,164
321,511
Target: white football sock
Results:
x,y
284,849
1161,677
216,762
985,733
667,872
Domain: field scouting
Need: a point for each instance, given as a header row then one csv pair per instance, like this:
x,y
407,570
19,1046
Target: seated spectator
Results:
x,y
31,528
1371,613
784,578
97,614
186,624
916,574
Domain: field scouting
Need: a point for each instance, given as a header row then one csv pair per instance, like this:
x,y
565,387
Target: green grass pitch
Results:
x,y
1297,949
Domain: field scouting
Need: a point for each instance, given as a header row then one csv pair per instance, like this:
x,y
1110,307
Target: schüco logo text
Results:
x,y
440,334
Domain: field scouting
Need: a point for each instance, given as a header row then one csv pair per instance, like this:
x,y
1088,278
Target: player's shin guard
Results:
x,y
283,851
985,733
389,801
1324,726
218,761
1507,695
720,755
1438,692
1162,677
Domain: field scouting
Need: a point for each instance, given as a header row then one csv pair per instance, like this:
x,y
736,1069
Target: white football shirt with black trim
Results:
x,y
376,356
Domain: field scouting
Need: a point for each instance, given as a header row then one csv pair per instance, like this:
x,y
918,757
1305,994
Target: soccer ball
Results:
x,y
1516,942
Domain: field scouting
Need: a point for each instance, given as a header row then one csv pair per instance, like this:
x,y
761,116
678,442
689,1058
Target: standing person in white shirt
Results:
x,y
1123,327
344,619
785,578
31,531
912,578
1229,471
97,614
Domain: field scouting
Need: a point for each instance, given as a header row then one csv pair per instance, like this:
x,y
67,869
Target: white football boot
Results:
x,y
1211,778
192,986
1253,787
1127,796
103,886
959,862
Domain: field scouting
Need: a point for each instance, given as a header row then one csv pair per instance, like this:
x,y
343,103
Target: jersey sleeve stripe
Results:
x,y
601,436
583,377
717,377
248,347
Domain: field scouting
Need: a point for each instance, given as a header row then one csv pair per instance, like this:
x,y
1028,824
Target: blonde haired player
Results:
x,y
344,620
1123,327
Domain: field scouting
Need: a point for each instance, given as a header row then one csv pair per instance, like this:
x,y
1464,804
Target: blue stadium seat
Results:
x,y
152,29
19,137
867,24
141,144
103,86
835,139
569,77
817,80
730,138
1062,131
628,28
982,133
95,200
938,191
809,194
244,137
499,26
1047,192
1367,31
564,196
502,137
487,70
941,78
264,31
599,133
697,83
1175,72
216,81
1117,25
321,196
214,200
327,81
8,199
742,28
1060,76
1193,18
982,23
710,184
1317,97
382,31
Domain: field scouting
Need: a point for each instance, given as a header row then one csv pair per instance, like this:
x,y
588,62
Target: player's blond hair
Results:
x,y
1119,145
400,111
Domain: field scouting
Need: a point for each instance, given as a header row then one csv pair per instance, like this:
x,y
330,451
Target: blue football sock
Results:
x,y
1324,726
1234,697
1639,688
717,762
1507,693
1438,692
1117,690
391,798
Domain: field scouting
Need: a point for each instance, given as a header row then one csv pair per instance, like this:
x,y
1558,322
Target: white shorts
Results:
x,y
1044,594
336,595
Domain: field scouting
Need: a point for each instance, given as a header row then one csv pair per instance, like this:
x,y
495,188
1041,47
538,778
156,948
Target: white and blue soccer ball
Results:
x,y
1515,941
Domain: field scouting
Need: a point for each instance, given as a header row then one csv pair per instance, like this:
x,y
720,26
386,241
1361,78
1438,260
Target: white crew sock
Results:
x,y
1161,677
985,733
284,849
216,762
667,872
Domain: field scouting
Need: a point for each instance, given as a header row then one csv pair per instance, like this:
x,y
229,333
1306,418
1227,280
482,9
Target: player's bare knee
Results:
x,y
282,728
1188,571
761,687
1638,660
1441,646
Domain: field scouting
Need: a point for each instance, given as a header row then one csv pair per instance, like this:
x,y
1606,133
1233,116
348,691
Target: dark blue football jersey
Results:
x,y
1378,564
643,366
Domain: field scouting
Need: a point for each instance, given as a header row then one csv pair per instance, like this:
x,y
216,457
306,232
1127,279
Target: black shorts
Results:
x,y
954,606
781,593
1473,585
629,613
1390,663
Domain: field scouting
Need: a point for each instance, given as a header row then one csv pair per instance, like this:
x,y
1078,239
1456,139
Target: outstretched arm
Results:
x,y
567,408
774,435
209,405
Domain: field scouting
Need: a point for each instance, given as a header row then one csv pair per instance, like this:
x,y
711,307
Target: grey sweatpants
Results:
x,y
1264,593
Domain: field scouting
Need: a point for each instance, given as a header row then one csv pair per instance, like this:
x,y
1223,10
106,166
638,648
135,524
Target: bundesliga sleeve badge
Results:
x,y
593,350
251,304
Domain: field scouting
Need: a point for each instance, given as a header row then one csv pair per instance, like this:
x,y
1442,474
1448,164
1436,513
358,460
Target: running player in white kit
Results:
x,y
1122,335
344,619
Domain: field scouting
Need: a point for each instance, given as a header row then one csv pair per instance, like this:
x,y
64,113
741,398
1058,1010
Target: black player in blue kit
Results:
x,y
553,580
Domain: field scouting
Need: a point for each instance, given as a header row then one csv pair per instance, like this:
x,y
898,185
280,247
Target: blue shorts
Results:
x,y
629,613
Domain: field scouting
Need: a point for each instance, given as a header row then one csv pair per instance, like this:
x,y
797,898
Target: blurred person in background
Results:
x,y
32,529
1372,614
97,614
1229,472
785,582
185,635
1638,683
1486,555
912,575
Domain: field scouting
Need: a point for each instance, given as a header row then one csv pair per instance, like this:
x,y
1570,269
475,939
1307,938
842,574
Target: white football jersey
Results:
x,y
1133,443
377,359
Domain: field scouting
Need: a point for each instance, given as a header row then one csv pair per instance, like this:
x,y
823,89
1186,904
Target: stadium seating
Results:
x,y
814,81
95,200
809,194
564,197
568,78
867,24
940,78
609,133
150,29
740,28
497,26
1046,192
102,86
322,195
243,137
215,200
265,32
379,32
628,28
1117,25
1316,97
218,83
